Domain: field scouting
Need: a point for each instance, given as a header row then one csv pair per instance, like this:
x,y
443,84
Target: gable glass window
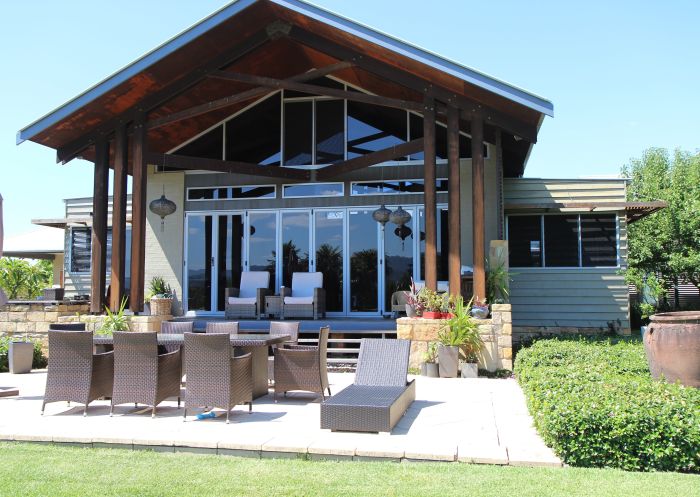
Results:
x,y
372,128
563,240
254,135
208,146
298,133
313,190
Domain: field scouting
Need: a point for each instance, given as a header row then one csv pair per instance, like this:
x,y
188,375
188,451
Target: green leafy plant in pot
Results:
x,y
431,302
114,321
160,295
460,332
430,366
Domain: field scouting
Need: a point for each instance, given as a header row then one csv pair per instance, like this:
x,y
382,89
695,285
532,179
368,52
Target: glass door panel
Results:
x,y
199,262
328,248
296,232
230,256
363,244
262,244
398,257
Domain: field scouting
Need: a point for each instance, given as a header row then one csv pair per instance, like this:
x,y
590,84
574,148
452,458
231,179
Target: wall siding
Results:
x,y
593,298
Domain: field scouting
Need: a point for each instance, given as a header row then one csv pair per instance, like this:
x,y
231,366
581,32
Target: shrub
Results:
x,y
595,403
38,362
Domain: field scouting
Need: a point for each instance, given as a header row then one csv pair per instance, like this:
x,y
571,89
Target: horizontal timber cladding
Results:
x,y
409,171
576,297
536,190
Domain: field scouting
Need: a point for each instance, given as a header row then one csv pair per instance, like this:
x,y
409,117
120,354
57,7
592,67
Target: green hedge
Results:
x,y
39,361
595,403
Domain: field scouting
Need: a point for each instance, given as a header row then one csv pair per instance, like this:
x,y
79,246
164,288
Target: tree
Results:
x,y
664,249
20,279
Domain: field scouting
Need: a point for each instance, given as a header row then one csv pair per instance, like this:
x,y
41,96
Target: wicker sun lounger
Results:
x,y
380,394
141,375
75,373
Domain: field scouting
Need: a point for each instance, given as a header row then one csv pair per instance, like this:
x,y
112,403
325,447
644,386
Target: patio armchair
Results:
x,y
290,328
141,374
228,327
398,303
380,395
176,327
302,367
248,301
214,378
67,326
75,374
306,298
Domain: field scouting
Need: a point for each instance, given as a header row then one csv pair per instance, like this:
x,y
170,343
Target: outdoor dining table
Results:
x,y
255,343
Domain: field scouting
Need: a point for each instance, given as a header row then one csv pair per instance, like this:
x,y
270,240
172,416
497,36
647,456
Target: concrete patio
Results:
x,y
468,420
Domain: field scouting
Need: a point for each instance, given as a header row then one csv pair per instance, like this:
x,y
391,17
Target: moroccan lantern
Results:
x,y
400,217
162,207
381,215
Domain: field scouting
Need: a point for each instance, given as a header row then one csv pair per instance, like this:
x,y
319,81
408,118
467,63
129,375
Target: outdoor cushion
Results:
x,y
298,300
250,282
303,284
242,300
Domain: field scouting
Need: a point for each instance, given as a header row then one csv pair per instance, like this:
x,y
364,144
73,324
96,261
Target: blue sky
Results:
x,y
623,76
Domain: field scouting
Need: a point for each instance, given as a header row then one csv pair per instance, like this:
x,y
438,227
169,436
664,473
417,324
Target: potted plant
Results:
x,y
114,321
413,305
480,309
461,331
20,355
447,306
431,302
429,367
160,295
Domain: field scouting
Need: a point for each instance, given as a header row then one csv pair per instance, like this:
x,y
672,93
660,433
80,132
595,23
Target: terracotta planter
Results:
x,y
448,360
430,369
447,315
672,345
432,315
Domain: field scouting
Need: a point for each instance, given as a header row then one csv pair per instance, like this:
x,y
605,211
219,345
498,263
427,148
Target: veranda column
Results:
x,y
454,218
478,207
429,195
138,218
98,265
121,157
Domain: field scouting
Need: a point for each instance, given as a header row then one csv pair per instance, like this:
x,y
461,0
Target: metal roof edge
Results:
x,y
396,45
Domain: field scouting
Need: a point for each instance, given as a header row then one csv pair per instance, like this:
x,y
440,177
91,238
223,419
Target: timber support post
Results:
x,y
138,217
98,260
429,172
454,211
121,158
478,220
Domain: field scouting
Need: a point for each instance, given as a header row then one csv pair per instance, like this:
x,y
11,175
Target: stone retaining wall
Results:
x,y
495,332
33,320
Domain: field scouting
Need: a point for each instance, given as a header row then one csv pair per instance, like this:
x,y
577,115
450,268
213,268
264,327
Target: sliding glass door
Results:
x,y
363,250
329,247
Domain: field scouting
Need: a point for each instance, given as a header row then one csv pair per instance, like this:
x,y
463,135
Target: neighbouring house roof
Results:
x,y
237,23
634,211
41,243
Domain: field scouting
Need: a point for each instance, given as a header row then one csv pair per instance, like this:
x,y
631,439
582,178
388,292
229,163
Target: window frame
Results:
x,y
188,199
353,183
341,183
580,265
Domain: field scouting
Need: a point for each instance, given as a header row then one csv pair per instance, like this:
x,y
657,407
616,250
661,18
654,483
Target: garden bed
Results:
x,y
594,402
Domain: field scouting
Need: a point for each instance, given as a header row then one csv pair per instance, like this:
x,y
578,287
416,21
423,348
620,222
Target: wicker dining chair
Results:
x,y
177,327
67,326
141,375
214,378
302,367
75,374
230,327
290,328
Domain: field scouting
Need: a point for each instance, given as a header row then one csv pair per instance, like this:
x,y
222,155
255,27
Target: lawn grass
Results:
x,y
43,470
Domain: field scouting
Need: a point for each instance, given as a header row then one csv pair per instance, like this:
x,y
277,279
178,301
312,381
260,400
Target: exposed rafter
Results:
x,y
285,84
227,166
73,149
236,98
393,152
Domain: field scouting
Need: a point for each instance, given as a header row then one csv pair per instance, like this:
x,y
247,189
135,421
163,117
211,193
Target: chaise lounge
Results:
x,y
381,393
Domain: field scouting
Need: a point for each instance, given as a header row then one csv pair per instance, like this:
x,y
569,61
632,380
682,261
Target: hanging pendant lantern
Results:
x,y
400,217
403,232
381,215
162,207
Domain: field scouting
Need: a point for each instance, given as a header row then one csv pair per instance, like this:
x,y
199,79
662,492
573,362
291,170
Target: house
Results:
x,y
278,128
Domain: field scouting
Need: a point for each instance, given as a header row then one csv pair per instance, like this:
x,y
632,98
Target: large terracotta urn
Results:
x,y
672,345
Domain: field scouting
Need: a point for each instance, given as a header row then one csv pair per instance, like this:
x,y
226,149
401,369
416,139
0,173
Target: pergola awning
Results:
x,y
634,211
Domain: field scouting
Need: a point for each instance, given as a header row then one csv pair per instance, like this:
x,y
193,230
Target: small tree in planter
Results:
x,y
461,331
430,366
160,295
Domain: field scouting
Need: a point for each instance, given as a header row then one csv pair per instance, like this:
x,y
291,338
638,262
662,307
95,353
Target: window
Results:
x,y
330,131
561,241
372,128
598,240
394,187
571,240
80,250
313,190
443,235
298,133
208,146
232,193
254,136
525,241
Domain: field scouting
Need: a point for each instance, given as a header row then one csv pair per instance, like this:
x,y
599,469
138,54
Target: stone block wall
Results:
x,y
496,333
